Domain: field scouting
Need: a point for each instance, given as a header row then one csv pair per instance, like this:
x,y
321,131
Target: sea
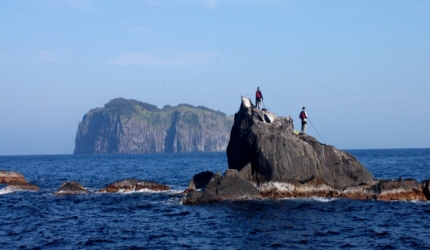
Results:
x,y
159,220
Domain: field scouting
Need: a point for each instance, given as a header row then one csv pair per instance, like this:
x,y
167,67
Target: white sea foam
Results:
x,y
320,199
144,190
6,190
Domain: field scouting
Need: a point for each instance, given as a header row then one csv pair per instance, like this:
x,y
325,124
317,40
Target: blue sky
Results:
x,y
361,68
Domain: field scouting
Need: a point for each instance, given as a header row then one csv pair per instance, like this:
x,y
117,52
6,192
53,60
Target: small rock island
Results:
x,y
267,159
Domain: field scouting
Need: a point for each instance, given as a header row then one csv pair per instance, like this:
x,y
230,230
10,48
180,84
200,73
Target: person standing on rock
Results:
x,y
258,98
303,116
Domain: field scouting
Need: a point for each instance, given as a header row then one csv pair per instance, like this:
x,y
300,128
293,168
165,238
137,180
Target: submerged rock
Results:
x,y
131,185
71,188
22,186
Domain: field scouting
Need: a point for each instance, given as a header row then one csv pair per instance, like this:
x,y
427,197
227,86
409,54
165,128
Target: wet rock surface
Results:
x,y
16,181
386,190
132,185
9,177
22,186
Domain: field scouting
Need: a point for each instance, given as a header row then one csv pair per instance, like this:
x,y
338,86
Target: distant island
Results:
x,y
126,126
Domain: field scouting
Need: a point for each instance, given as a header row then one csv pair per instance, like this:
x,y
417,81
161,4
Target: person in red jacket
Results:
x,y
303,117
258,98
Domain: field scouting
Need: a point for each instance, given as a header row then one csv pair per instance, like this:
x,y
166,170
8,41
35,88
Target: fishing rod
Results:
x,y
316,130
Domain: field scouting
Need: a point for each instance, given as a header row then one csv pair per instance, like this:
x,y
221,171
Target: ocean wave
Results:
x,y
314,198
320,199
6,190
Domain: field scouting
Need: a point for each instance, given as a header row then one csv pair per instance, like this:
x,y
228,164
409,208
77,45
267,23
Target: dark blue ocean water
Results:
x,y
158,220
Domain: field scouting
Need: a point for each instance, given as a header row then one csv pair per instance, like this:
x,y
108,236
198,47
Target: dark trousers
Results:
x,y
304,126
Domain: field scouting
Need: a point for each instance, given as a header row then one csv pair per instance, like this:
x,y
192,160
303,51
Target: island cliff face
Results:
x,y
132,127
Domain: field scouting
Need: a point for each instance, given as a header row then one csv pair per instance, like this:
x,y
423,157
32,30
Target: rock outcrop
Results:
x,y
199,181
268,150
71,188
231,186
11,177
405,190
268,159
22,186
132,127
132,185
16,181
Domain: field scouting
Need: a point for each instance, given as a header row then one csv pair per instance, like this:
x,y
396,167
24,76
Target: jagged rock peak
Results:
x,y
269,151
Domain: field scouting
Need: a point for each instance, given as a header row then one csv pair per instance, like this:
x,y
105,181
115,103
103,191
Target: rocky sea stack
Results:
x,y
276,162
132,127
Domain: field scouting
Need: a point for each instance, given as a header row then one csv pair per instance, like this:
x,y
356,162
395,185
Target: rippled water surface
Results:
x,y
158,220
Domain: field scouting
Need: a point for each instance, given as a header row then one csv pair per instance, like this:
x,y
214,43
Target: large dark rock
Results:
x,y
71,188
199,181
267,150
131,185
231,186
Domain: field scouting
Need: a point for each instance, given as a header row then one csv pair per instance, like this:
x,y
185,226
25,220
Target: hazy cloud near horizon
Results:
x,y
172,58
360,68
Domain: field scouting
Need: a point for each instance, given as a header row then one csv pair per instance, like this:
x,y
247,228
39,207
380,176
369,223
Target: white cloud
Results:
x,y
53,56
139,30
207,3
79,4
4,59
180,58
212,3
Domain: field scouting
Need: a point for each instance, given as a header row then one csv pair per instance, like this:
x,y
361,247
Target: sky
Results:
x,y
361,68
